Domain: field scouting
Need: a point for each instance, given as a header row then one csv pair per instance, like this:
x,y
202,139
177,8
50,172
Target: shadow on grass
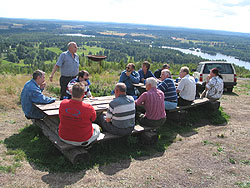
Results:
x,y
230,93
110,156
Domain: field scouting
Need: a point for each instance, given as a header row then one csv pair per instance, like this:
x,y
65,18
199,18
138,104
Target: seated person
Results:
x,y
76,117
32,93
130,77
153,101
214,87
158,71
144,72
83,76
120,118
167,86
186,88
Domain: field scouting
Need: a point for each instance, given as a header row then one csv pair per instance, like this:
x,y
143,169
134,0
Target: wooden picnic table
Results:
x,y
100,104
50,124
199,87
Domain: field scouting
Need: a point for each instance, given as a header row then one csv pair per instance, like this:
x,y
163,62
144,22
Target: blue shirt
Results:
x,y
32,93
69,66
145,76
134,78
169,90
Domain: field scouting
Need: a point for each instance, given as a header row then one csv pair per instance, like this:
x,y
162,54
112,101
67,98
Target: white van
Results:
x,y
225,69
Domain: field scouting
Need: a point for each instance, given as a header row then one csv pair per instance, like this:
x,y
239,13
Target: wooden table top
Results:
x,y
99,103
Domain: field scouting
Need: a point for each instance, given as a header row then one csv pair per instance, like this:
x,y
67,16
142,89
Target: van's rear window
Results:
x,y
223,68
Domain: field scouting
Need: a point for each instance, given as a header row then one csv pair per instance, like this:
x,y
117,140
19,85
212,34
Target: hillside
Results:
x,y
201,154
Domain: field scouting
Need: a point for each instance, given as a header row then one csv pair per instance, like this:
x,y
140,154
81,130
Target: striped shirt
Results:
x,y
122,111
153,101
169,90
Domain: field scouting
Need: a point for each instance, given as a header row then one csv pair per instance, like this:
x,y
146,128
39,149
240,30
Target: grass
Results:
x,y
30,144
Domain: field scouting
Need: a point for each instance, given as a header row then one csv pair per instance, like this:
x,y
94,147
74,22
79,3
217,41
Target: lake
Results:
x,y
218,56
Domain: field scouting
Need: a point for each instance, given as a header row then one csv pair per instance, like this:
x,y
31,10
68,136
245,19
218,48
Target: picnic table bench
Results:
x,y
179,114
49,126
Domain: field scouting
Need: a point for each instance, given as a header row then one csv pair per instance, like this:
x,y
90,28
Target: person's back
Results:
x,y
216,87
186,88
169,89
167,86
120,117
76,120
122,111
153,101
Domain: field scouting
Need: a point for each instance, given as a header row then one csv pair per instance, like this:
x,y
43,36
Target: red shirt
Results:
x,y
76,119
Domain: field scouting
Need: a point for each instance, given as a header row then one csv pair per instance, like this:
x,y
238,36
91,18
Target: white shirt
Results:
x,y
215,87
187,87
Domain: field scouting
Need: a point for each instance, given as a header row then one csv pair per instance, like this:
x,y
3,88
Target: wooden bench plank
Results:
x,y
196,102
98,109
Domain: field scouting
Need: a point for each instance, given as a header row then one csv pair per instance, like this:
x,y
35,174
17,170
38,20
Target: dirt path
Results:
x,y
214,157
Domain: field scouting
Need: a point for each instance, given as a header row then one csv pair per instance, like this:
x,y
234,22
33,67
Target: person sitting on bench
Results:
x,y
214,87
130,77
186,88
83,76
32,93
153,101
144,72
76,117
167,86
120,117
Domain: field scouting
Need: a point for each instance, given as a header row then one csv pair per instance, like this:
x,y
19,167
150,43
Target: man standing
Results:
x,y
32,93
167,86
120,118
69,64
186,88
153,101
130,77
76,119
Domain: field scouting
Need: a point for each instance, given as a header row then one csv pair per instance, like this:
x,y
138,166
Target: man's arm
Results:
x,y
38,97
135,77
53,72
141,100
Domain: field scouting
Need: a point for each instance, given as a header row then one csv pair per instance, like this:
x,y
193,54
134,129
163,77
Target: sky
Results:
x,y
227,15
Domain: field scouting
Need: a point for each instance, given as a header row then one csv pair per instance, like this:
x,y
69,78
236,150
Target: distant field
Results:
x,y
123,34
56,50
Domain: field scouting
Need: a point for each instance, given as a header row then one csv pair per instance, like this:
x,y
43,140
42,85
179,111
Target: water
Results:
x,y
218,56
78,35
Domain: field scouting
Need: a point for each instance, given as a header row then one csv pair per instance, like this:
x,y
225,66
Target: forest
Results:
x,y
26,45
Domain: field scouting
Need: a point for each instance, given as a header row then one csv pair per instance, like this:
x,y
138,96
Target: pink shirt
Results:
x,y
153,101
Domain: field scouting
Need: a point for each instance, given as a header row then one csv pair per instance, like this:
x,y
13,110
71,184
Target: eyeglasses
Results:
x,y
128,68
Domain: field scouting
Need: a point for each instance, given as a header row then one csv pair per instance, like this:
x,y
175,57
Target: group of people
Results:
x,y
78,122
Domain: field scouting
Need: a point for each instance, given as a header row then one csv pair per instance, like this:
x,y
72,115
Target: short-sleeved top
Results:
x,y
187,87
69,66
153,101
122,111
157,73
76,119
169,90
215,87
75,80
145,76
